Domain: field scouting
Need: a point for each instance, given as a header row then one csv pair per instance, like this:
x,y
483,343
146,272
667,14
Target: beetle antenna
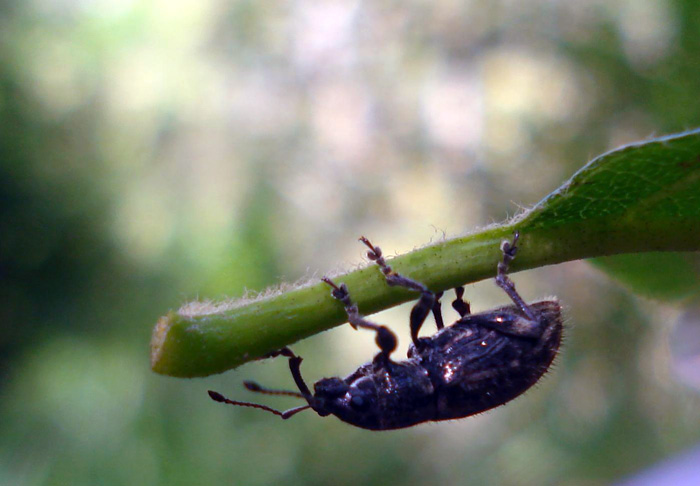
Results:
x,y
255,387
218,397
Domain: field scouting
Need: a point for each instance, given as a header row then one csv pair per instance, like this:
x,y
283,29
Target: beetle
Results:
x,y
479,362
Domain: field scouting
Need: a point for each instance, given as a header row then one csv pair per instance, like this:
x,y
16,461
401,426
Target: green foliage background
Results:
x,y
153,153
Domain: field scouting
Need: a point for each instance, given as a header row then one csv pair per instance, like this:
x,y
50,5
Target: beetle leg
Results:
x,y
425,304
386,340
462,307
295,368
502,280
437,311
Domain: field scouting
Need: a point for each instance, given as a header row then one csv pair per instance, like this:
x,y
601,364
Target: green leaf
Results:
x,y
640,198
662,276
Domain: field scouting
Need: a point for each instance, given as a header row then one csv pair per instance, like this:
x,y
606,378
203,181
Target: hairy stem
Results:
x,y
211,341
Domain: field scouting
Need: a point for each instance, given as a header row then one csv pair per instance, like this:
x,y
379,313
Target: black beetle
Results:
x,y
478,363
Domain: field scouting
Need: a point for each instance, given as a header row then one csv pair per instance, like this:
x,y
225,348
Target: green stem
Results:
x,y
211,340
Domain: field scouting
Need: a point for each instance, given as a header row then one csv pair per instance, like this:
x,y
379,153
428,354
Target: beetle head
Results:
x,y
355,403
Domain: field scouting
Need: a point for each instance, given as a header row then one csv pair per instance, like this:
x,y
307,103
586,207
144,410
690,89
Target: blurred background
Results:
x,y
155,152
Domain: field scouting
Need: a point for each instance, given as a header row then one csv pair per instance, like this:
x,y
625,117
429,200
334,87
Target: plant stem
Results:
x,y
211,341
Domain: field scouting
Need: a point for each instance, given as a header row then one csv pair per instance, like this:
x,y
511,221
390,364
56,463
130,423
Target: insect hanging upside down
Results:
x,y
477,363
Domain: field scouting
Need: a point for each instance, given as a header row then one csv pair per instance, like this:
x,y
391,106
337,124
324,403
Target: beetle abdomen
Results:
x,y
476,367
